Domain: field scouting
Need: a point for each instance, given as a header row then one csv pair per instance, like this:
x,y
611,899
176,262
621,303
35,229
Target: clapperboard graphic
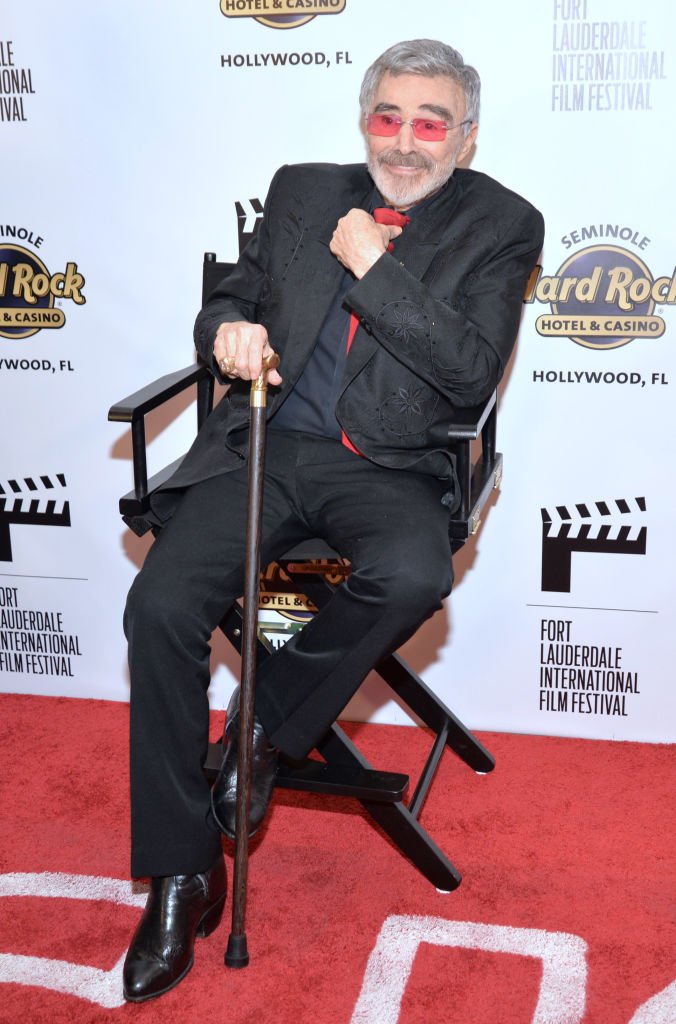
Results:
x,y
31,502
248,220
600,526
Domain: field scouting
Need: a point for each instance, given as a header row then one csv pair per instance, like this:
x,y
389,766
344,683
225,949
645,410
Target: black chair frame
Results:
x,y
343,770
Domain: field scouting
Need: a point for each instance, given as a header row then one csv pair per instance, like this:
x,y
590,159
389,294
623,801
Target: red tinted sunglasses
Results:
x,y
424,128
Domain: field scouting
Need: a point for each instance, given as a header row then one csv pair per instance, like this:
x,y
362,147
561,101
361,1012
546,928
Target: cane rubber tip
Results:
x,y
236,955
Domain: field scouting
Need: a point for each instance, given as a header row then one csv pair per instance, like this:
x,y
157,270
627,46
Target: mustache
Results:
x,y
394,156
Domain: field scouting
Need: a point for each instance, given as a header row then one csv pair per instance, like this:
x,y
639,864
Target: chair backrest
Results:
x,y
213,271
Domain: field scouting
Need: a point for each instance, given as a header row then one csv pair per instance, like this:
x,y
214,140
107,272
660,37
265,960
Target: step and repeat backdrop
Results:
x,y
134,137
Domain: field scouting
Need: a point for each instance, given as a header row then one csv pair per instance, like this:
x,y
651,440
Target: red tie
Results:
x,y
381,215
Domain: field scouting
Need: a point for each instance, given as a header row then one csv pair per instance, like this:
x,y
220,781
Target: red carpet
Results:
x,y
566,912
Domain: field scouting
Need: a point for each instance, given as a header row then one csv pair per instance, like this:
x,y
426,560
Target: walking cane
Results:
x,y
236,954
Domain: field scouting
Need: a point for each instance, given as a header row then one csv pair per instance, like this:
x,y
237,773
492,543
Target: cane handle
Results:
x,y
259,387
271,362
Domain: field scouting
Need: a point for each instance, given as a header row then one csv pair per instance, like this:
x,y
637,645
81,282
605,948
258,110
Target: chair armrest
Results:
x,y
133,410
468,423
129,409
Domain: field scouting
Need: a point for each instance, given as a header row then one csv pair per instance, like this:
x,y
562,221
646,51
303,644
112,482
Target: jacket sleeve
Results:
x,y
238,295
459,343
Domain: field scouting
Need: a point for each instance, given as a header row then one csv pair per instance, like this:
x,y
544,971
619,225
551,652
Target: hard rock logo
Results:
x,y
281,13
28,292
601,297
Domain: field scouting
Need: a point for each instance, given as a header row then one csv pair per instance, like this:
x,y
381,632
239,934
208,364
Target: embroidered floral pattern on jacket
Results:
x,y
403,322
408,410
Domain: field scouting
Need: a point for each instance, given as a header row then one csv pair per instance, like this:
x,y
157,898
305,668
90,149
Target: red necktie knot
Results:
x,y
386,215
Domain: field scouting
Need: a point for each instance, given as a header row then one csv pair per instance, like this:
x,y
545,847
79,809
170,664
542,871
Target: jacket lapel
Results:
x,y
321,271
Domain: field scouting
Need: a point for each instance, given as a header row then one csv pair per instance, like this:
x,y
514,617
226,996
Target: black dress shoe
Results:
x,y
179,907
263,771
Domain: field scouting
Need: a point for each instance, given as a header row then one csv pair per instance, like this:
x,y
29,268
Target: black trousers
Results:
x,y
391,525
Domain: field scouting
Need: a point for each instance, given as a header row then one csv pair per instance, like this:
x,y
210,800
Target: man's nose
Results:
x,y
406,138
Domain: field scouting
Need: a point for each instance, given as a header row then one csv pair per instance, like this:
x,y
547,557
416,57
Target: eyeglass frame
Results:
x,y
400,122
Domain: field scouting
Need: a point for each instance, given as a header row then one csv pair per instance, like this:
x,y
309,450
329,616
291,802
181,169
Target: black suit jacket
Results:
x,y
438,316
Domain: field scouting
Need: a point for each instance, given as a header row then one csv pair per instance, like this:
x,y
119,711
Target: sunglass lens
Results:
x,y
429,131
382,124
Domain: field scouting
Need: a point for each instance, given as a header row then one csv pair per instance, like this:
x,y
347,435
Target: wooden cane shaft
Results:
x,y
248,676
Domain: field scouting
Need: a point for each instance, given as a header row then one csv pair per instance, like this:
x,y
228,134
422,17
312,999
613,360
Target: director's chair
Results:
x,y
310,570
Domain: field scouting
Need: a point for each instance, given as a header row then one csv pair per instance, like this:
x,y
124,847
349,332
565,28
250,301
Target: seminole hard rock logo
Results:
x,y
28,292
601,297
281,13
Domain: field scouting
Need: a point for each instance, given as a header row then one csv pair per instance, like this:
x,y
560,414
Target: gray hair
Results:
x,y
426,57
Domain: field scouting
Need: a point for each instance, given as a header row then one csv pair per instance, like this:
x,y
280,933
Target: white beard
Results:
x,y
405,192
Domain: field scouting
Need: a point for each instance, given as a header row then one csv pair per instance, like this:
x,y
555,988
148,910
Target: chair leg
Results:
x,y
414,692
397,821
408,835
390,813
394,818
424,703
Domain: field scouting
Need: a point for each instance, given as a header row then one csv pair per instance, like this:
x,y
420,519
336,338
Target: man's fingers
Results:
x,y
239,349
358,242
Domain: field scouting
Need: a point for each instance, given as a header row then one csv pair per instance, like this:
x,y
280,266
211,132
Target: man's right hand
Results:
x,y
239,350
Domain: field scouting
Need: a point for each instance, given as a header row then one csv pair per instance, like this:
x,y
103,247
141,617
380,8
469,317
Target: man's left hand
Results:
x,y
358,242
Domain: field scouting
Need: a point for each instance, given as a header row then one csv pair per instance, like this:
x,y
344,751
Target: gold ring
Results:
x,y
226,365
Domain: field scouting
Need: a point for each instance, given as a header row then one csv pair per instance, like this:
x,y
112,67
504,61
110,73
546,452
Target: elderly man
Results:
x,y
392,294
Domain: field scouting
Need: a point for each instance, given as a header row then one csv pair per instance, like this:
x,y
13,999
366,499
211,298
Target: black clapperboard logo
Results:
x,y
600,527
249,216
31,502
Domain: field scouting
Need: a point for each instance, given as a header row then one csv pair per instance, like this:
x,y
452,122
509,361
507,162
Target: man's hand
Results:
x,y
239,350
358,241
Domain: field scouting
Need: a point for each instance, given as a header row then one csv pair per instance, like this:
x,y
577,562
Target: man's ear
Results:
x,y
468,141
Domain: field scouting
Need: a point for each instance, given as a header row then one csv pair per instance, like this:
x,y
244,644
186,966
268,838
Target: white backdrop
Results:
x,y
129,131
